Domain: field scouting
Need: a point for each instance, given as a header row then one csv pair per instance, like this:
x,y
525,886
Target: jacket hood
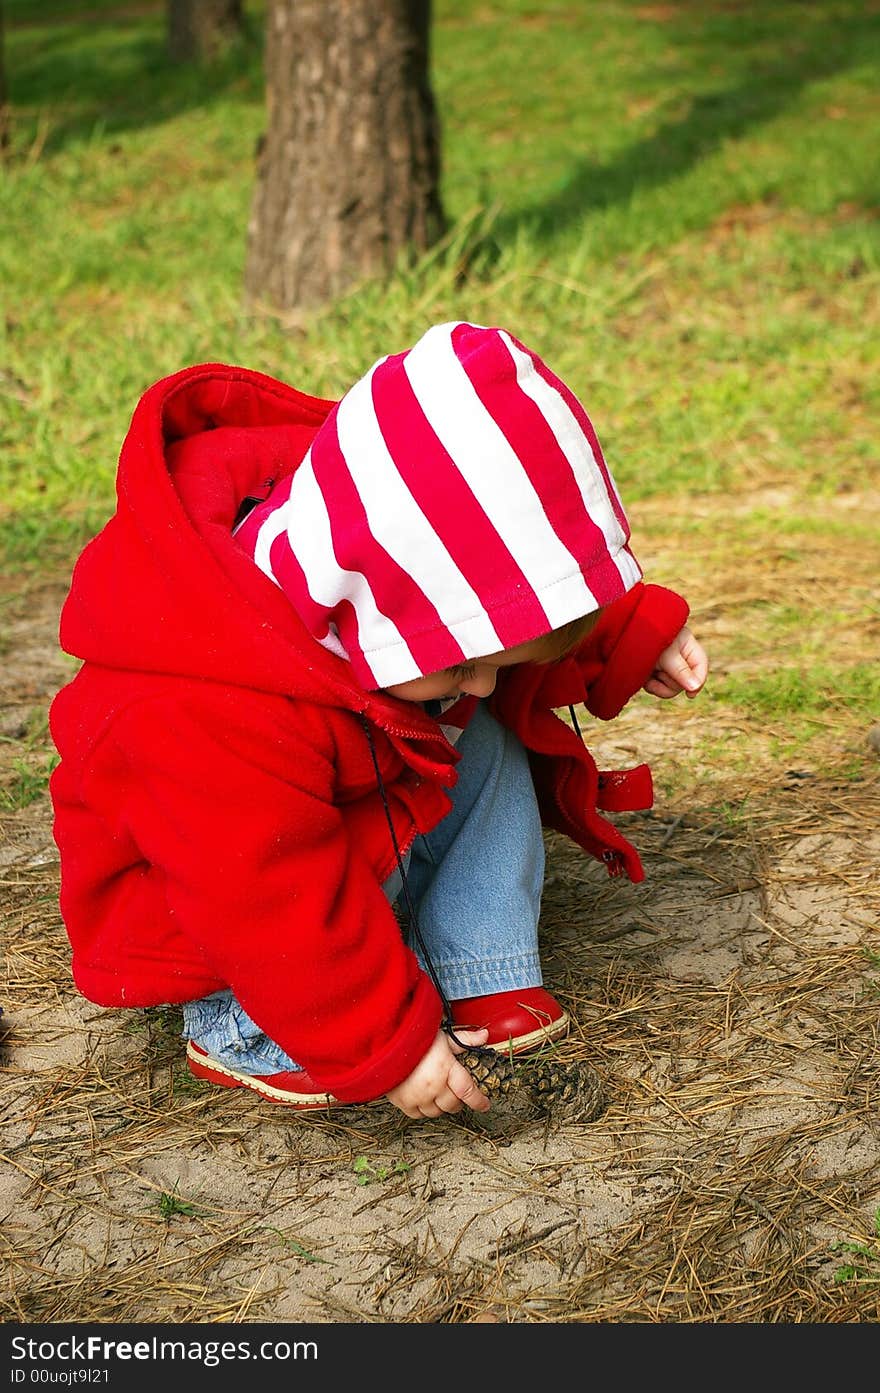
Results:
x,y
164,588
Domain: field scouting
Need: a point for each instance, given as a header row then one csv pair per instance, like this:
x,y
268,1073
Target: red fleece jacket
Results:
x,y
216,806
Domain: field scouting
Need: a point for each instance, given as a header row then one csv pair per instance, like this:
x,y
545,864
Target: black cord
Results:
x,y
446,1023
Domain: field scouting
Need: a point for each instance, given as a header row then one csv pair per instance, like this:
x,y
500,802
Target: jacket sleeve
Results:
x,y
235,817
620,654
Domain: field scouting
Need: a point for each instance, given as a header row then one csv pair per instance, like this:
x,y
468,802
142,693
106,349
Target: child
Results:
x,y
323,648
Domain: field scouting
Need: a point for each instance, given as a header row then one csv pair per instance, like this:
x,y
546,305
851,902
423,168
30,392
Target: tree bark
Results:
x,y
199,29
348,175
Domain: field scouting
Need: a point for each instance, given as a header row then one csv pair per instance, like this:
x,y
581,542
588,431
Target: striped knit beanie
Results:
x,y
454,503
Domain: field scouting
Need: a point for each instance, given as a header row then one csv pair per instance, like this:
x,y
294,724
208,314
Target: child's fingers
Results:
x,y
697,660
658,687
438,1084
460,1091
460,1081
676,670
699,669
466,1091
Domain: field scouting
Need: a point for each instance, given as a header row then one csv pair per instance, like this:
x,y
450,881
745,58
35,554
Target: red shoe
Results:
x,y
517,1021
293,1089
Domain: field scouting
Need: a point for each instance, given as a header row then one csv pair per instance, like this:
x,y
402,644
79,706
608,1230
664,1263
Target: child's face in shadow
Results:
x,y
475,678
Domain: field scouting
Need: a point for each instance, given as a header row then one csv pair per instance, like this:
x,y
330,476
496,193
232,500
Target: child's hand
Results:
x,y
682,667
438,1083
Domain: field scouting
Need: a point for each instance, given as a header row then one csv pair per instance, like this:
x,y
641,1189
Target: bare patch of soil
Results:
x,y
730,1003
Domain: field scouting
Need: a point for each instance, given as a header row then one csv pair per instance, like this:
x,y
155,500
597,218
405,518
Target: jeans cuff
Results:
x,y
460,979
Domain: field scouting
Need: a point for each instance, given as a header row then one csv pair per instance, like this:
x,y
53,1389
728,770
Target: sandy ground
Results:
x,y
730,1003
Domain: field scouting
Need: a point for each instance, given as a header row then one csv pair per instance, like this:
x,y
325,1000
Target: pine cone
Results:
x,y
493,1072
573,1088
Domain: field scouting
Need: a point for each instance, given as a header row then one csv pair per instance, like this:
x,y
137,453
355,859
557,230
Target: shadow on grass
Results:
x,y
113,75
711,119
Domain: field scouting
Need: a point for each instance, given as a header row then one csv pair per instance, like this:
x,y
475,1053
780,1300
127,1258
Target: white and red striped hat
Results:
x,y
454,503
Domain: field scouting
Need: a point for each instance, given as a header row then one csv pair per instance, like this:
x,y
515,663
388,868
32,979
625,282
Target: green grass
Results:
x,y
807,690
863,1265
367,1173
169,1204
25,784
676,205
25,778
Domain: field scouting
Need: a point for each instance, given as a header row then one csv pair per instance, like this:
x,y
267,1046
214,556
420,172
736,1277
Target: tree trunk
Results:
x,y
199,29
348,176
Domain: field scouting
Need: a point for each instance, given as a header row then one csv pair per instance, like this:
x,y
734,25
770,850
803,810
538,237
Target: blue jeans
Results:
x,y
476,883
